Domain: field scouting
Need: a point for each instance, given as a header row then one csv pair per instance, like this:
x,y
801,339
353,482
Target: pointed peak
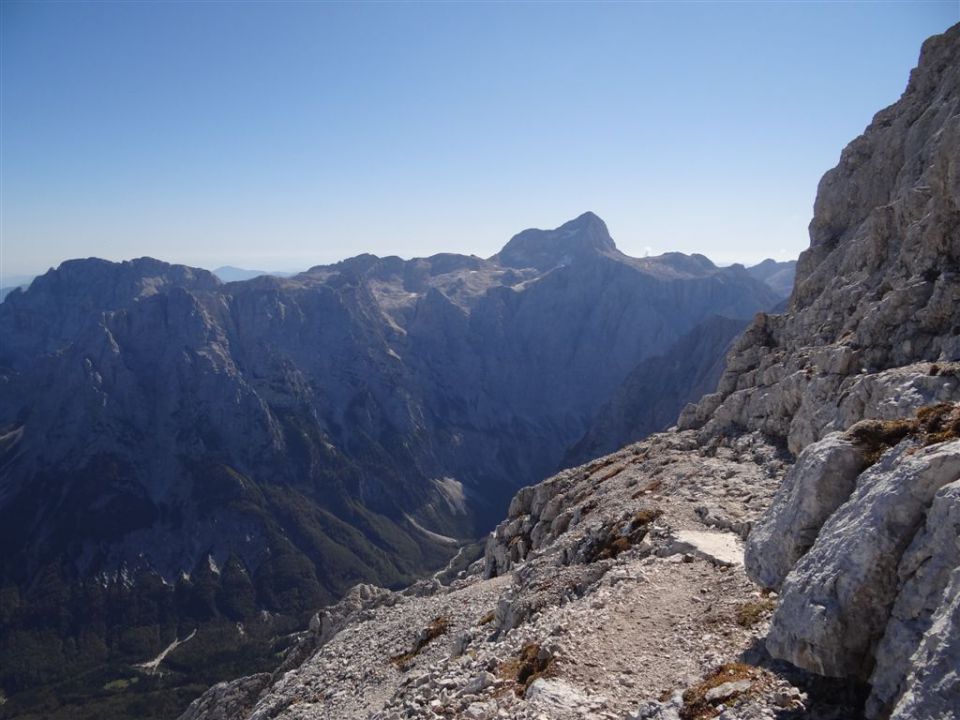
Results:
x,y
584,236
587,220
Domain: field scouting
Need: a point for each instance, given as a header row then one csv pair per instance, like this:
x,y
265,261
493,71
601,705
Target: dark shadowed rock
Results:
x,y
654,393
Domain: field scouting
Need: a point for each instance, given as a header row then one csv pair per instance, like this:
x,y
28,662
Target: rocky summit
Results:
x,y
790,550
179,454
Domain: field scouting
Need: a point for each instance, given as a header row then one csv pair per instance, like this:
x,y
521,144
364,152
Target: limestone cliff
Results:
x,y
878,287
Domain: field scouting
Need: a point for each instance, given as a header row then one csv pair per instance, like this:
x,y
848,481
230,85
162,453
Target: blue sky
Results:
x,y
281,135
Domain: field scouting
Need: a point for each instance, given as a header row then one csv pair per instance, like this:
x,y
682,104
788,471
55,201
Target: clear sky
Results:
x,y
280,135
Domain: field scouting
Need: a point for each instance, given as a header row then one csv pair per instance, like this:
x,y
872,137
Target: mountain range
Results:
x,y
179,452
788,550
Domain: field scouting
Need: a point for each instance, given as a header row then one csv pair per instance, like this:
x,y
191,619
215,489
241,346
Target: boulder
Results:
x,y
822,479
835,603
923,575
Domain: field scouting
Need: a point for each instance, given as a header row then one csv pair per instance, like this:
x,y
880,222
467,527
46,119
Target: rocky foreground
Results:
x,y
618,580
791,550
618,590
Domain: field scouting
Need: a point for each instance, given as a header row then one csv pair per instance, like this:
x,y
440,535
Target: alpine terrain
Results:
x,y
179,454
789,549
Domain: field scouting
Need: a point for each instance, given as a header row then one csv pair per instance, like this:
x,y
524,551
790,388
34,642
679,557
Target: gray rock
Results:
x,y
835,603
933,686
822,479
478,683
654,710
923,574
727,689
716,547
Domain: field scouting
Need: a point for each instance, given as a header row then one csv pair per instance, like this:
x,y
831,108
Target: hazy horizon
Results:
x,y
280,136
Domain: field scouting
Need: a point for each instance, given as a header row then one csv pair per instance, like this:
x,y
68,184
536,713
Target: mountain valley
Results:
x,y
182,453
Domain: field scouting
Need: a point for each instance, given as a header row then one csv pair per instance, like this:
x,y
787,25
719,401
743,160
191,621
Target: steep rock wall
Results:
x,y
877,289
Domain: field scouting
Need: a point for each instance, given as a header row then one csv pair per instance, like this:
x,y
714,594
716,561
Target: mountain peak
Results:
x,y
582,237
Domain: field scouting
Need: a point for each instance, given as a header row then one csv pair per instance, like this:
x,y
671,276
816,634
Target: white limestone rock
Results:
x,y
923,575
933,686
835,603
822,479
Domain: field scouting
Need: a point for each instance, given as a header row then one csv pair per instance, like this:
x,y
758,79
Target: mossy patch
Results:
x,y
619,537
695,703
753,611
437,627
524,669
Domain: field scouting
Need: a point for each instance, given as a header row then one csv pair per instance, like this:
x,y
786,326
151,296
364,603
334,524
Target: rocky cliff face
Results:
x,y
825,469
858,539
177,451
878,287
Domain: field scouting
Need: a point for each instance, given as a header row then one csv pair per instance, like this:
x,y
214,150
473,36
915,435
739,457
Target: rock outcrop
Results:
x,y
822,479
924,578
877,289
932,685
836,601
861,539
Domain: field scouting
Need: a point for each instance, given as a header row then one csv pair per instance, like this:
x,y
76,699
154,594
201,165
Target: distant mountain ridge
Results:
x,y
229,273
14,282
281,439
778,275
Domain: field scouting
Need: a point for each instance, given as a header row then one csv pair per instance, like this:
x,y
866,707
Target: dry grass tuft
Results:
x,y
933,424
618,539
695,703
939,423
875,437
435,629
529,665
753,611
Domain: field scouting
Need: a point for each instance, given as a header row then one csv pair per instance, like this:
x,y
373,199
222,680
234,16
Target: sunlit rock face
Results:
x,y
878,287
860,538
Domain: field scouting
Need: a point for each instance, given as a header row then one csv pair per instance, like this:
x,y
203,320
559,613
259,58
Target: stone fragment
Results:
x,y
717,547
727,690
